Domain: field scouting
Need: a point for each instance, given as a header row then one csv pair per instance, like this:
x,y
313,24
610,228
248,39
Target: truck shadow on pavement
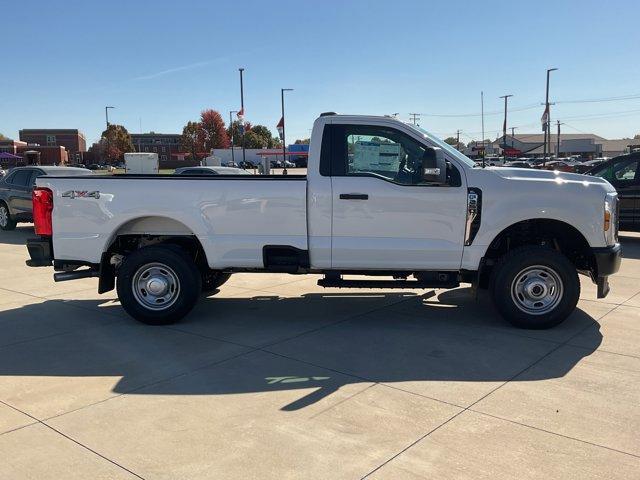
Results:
x,y
315,343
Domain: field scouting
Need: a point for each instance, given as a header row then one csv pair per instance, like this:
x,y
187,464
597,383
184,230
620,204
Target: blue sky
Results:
x,y
163,62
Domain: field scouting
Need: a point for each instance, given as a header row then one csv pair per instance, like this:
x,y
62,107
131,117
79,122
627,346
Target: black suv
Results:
x,y
15,192
623,173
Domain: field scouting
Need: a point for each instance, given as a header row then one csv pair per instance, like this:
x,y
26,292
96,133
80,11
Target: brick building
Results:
x,y
167,145
33,154
71,139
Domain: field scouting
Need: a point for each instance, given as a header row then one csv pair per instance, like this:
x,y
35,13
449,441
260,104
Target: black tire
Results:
x,y
213,280
174,267
518,279
6,222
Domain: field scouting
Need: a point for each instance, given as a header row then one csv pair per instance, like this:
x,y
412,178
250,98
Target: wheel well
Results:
x,y
554,234
124,244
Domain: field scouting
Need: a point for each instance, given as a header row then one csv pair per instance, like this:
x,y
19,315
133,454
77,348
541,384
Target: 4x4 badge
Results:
x,y
81,194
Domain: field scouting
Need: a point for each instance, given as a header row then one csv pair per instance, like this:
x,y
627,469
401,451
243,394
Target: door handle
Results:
x,y
354,196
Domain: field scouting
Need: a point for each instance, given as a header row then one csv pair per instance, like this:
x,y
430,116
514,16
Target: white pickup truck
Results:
x,y
381,198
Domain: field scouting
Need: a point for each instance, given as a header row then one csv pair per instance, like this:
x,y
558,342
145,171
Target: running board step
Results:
x,y
410,284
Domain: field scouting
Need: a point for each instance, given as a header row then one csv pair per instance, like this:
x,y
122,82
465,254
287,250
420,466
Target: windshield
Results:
x,y
445,146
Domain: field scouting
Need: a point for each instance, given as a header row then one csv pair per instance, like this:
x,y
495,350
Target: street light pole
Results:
x,y
284,144
504,126
547,130
482,114
233,157
241,70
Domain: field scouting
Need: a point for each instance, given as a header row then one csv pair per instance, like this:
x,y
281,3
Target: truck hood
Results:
x,y
548,176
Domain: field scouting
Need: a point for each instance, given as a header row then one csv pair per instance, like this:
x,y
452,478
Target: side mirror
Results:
x,y
434,166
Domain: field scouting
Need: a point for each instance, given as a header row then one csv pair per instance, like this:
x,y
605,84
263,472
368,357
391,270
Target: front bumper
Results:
x,y
607,262
40,251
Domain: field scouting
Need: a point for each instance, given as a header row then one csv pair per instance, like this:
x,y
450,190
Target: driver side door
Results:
x,y
384,215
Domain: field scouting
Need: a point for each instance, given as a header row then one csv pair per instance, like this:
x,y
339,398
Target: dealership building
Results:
x,y
585,145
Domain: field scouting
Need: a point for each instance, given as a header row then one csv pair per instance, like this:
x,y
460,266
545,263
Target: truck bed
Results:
x,y
233,216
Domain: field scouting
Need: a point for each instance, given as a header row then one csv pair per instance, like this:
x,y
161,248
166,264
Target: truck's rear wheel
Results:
x,y
535,287
158,285
6,222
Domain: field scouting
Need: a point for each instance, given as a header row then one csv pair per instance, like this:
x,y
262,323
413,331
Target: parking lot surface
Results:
x,y
276,378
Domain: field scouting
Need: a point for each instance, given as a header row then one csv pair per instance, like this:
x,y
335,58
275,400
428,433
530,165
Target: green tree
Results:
x,y
253,140
117,142
237,136
269,140
635,137
304,141
2,137
192,139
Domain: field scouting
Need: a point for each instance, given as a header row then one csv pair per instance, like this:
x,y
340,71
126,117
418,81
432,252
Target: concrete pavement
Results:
x,y
275,377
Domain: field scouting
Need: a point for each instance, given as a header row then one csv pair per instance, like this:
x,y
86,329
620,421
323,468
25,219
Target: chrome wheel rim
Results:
x,y
156,286
4,216
537,290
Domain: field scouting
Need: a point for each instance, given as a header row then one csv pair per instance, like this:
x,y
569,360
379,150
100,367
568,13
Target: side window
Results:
x,y
384,153
619,172
21,178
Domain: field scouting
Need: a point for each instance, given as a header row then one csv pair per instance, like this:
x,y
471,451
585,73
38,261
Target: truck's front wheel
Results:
x,y
158,285
535,287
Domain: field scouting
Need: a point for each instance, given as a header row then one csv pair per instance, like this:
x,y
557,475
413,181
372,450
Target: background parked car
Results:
x,y
210,171
16,188
246,165
623,173
518,164
557,165
588,165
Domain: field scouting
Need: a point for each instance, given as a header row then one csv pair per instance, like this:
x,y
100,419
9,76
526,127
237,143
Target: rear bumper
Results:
x,y
607,262
40,251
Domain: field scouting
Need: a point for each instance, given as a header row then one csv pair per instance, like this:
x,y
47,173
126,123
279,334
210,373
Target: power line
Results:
x,y
533,106
603,115
605,99
496,112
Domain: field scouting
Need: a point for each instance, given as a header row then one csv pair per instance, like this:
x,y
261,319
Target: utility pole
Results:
x,y
504,125
458,140
513,135
415,117
233,156
558,141
242,111
547,113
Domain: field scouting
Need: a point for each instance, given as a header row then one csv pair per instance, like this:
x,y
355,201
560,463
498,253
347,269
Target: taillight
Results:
x,y
42,208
